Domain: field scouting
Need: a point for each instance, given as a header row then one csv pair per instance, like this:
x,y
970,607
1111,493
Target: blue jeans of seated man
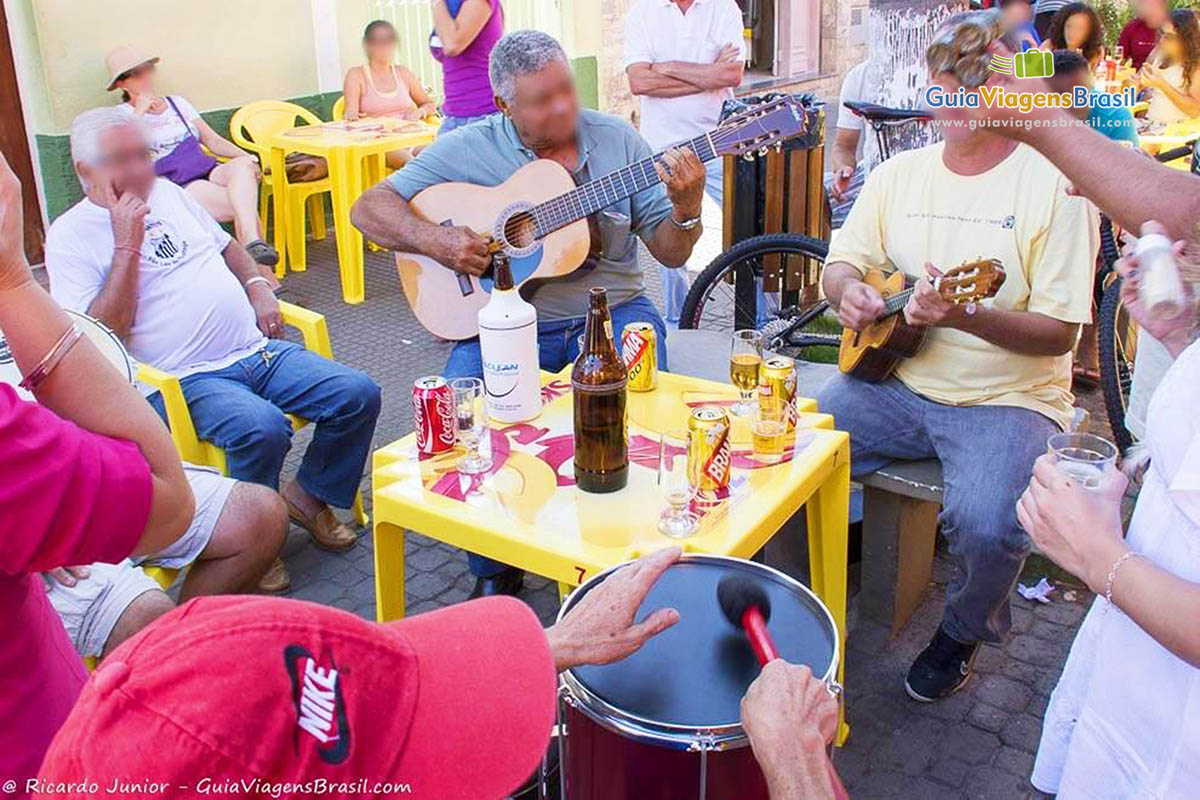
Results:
x,y
558,345
674,281
450,123
987,455
241,410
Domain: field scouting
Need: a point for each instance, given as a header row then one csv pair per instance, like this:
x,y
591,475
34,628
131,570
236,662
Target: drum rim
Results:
x,y
715,737
107,331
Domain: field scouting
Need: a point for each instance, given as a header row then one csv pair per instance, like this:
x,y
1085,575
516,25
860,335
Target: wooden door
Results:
x,y
14,144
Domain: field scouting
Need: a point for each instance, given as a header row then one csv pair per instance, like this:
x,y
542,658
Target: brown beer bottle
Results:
x,y
598,383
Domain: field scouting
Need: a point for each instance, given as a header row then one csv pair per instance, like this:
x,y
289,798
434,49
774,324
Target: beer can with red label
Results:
x,y
710,454
777,387
433,415
639,350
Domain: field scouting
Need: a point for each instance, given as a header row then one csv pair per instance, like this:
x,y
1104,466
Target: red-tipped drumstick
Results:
x,y
747,606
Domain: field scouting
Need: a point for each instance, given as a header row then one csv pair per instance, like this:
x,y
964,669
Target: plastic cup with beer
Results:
x,y
768,432
1083,456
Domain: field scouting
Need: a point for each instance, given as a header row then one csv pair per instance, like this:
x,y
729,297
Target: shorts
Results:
x,y
90,609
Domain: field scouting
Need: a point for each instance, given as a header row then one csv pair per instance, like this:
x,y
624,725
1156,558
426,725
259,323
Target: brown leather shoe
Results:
x,y
276,580
326,530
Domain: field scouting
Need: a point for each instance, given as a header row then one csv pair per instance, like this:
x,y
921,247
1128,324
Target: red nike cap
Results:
x,y
271,697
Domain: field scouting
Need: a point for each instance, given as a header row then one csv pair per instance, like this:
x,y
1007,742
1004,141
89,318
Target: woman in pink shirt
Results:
x,y
380,88
86,474
464,33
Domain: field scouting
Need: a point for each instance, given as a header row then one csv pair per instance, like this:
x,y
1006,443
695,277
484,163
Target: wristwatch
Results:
x,y
687,224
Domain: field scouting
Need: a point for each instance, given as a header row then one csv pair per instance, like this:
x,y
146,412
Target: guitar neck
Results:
x,y
606,190
895,303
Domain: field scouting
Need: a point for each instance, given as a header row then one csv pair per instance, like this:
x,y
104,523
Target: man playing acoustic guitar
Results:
x,y
541,119
992,381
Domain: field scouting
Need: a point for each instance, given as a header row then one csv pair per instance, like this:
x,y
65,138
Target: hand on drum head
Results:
x,y
601,628
790,718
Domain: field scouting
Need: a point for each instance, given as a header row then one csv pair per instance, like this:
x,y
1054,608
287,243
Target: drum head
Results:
x,y
695,673
100,335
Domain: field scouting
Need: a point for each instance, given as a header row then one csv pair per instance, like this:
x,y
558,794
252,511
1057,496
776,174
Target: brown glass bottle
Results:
x,y
598,382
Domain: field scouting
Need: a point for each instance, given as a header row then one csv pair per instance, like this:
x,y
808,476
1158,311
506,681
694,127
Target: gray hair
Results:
x,y
87,127
521,53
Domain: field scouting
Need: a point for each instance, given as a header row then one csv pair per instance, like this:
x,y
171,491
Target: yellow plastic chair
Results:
x,y
179,419
252,127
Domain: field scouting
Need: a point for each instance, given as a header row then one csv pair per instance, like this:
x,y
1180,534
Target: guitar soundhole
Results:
x,y
520,230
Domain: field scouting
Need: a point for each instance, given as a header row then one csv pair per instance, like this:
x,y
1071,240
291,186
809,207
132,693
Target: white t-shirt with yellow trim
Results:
x,y
913,209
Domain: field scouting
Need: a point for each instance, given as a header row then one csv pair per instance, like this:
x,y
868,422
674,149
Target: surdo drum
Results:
x,y
664,724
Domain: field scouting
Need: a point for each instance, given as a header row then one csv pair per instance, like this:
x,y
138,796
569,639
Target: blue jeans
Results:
x,y
987,455
558,345
241,410
674,281
450,123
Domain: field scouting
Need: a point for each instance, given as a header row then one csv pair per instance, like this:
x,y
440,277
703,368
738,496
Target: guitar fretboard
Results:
x,y
895,303
609,189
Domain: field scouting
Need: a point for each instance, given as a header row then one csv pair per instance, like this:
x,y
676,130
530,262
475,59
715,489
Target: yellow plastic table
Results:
x,y
345,146
1174,135
527,512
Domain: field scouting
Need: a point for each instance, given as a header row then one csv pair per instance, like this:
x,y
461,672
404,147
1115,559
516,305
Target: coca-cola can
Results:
x,y
433,415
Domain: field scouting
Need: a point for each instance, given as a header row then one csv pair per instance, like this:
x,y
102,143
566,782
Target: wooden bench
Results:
x,y
901,502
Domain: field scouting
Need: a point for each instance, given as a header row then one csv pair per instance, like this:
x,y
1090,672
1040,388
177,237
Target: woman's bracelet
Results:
x,y
1112,575
57,353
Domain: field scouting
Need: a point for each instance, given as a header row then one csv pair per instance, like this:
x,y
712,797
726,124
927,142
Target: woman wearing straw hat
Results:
x,y
228,191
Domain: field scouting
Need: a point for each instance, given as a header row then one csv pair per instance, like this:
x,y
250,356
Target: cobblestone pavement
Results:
x,y
978,744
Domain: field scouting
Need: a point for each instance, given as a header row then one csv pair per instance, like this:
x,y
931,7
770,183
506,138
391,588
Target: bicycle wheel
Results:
x,y
727,295
1117,334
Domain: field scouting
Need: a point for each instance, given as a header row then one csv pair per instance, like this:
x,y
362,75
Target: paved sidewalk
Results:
x,y
977,745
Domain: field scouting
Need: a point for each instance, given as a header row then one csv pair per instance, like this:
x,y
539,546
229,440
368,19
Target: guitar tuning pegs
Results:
x,y
762,151
748,156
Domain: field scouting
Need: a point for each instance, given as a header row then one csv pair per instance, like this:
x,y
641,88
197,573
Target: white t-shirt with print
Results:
x,y
192,312
167,130
656,31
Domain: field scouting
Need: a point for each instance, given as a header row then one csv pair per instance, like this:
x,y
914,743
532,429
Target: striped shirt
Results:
x,y
1049,6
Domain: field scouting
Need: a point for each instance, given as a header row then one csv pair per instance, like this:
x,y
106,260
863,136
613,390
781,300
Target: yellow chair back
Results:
x,y
339,108
254,124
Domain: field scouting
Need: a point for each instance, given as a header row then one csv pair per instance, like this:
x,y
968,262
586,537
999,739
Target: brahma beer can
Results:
x,y
433,415
777,387
639,350
710,454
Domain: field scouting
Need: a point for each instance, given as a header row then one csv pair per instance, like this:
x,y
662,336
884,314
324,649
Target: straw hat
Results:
x,y
124,58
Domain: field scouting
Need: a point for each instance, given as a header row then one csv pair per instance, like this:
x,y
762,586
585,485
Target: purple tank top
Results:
x,y
468,90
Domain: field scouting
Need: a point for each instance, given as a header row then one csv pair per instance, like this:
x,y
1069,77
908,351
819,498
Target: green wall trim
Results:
x,y
587,80
58,172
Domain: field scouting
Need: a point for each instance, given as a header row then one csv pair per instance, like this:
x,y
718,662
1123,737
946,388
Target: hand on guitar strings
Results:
x,y
601,628
464,250
682,173
861,305
927,307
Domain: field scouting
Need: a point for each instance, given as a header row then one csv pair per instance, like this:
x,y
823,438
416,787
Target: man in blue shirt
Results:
x,y
1117,123
541,118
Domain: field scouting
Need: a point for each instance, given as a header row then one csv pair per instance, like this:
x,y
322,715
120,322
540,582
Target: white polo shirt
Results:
x,y
657,31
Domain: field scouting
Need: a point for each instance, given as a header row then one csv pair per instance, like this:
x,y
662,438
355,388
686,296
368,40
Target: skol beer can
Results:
x,y
433,415
777,387
710,454
639,350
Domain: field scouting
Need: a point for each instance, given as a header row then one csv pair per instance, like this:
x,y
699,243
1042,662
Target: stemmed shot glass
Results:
x,y
471,423
745,358
677,520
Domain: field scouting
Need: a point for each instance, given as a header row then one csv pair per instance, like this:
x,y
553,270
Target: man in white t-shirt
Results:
x,y
683,58
141,255
848,171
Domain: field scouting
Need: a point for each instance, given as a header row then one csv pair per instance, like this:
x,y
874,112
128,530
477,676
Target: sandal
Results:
x,y
263,253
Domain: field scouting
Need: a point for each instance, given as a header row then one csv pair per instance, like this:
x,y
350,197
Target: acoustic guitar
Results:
x,y
873,353
539,216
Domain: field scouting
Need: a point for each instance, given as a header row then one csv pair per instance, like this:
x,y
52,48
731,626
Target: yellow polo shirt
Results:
x,y
913,209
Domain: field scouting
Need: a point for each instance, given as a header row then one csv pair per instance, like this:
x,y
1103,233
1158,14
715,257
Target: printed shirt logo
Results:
x,y
320,707
163,246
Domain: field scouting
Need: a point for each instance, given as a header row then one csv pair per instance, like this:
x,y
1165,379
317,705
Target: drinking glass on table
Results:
x,y
471,423
768,432
745,358
1083,456
676,521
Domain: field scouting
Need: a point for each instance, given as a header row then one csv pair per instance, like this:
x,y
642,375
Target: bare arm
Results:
x,y
1024,332
458,32
1186,102
723,74
352,90
84,388
426,106
258,292
845,149
215,142
1164,605
116,303
683,175
645,80
386,218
